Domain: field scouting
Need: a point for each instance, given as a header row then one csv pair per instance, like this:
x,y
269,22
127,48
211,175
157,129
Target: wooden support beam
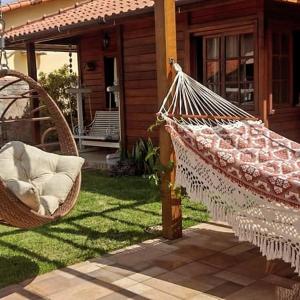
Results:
x,y
262,66
31,60
166,48
32,72
122,106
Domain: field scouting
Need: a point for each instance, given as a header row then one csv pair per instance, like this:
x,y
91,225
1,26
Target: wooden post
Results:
x,y
32,72
166,49
122,106
31,60
262,66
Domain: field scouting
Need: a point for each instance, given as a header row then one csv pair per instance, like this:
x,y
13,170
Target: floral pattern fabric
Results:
x,y
250,154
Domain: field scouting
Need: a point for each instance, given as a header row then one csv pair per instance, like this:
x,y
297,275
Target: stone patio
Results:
x,y
207,263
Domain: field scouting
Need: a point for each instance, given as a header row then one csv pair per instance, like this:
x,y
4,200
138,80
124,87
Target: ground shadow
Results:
x,y
15,267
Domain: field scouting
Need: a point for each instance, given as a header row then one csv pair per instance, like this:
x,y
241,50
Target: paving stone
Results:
x,y
225,290
238,249
171,261
194,252
196,269
171,288
281,281
257,291
206,264
155,295
254,268
235,278
220,260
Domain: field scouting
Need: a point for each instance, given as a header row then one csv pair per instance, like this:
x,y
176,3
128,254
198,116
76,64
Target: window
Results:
x,y
228,66
111,82
212,76
281,68
296,68
239,69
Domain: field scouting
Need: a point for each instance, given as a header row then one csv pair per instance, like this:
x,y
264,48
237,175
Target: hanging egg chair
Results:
x,y
12,211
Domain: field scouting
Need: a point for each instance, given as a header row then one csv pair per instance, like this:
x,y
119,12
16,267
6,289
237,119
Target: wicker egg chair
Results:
x,y
12,211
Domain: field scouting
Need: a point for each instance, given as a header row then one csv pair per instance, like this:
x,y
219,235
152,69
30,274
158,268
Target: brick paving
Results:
x,y
207,263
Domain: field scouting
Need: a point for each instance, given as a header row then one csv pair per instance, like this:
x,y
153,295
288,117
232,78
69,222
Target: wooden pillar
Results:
x,y
122,106
32,72
31,60
262,74
165,30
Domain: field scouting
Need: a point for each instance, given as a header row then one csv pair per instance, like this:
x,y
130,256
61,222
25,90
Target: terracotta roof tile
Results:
x,y
20,4
80,13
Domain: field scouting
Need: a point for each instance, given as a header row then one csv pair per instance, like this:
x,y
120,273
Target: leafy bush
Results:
x,y
57,84
143,160
145,156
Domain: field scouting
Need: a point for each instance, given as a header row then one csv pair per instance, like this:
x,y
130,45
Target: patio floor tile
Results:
x,y
193,252
206,264
225,289
171,261
105,275
220,260
155,294
195,269
235,278
258,290
171,288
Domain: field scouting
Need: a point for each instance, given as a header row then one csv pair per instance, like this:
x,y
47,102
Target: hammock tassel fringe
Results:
x,y
251,216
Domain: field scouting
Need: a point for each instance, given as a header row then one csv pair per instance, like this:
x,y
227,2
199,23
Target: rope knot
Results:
x,y
177,67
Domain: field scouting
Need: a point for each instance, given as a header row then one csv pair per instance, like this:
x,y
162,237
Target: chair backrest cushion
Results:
x,y
52,175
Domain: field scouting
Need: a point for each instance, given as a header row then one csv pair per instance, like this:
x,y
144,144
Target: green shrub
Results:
x,y
57,84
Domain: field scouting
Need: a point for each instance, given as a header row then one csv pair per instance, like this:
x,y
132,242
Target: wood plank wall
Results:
x,y
91,50
140,76
223,10
139,64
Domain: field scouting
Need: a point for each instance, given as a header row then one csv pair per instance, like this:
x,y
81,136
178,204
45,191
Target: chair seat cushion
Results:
x,y
41,180
26,192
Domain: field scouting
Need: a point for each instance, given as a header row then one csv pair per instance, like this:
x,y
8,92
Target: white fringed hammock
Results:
x,y
246,174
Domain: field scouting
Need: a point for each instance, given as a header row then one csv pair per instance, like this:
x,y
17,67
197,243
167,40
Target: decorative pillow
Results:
x,y
26,192
50,204
50,174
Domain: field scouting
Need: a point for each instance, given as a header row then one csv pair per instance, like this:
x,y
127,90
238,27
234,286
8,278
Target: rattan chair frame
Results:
x,y
12,211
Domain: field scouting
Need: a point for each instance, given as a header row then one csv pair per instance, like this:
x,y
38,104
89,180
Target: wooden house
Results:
x,y
245,50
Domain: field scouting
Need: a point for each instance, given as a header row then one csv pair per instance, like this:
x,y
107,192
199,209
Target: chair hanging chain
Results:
x,y
3,53
70,59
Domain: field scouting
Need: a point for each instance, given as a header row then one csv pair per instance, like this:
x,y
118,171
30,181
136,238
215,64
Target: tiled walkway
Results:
x,y
207,263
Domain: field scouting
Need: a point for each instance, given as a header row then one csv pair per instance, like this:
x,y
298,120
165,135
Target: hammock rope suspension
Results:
x,y
188,101
246,174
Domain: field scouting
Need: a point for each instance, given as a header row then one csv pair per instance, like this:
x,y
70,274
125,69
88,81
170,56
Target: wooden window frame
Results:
x,y
290,102
223,32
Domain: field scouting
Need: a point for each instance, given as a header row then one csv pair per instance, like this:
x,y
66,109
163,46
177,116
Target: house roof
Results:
x,y
20,4
90,10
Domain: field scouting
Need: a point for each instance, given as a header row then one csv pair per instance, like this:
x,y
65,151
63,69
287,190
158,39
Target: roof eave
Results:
x,y
40,35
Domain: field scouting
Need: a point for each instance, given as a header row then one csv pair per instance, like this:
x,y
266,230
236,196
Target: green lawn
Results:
x,y
111,213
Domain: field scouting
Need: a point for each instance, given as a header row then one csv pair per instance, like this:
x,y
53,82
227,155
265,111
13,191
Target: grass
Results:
x,y
111,213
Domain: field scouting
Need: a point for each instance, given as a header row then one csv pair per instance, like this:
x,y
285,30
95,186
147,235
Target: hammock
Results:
x,y
246,174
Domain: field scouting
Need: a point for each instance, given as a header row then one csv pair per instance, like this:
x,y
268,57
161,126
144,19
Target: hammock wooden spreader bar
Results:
x,y
207,117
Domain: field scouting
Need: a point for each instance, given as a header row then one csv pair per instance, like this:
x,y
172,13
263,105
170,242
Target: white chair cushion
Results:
x,y
50,174
26,192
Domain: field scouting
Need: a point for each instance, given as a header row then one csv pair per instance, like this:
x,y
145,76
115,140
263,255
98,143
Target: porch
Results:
x,y
207,263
